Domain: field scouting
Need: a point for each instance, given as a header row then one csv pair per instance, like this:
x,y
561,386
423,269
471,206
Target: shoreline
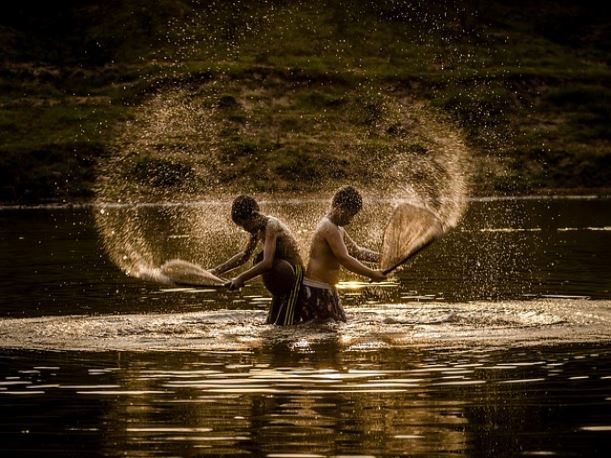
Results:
x,y
548,194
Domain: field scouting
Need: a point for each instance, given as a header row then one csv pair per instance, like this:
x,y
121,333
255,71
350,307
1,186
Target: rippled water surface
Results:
x,y
279,401
494,342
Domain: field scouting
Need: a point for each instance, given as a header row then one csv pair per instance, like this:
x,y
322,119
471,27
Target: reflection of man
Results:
x,y
279,263
331,248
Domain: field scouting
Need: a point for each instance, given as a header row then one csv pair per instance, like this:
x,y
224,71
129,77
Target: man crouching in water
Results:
x,y
331,248
279,263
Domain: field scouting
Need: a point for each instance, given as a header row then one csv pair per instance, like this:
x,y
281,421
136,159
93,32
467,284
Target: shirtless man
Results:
x,y
331,248
279,263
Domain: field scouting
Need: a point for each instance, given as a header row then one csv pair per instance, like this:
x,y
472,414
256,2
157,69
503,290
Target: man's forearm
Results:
x,y
235,261
353,265
257,269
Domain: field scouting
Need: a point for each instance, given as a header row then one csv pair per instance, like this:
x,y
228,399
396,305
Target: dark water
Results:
x,y
277,402
474,350
53,261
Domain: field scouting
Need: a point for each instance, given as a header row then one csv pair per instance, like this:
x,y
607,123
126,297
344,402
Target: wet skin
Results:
x,y
278,245
332,248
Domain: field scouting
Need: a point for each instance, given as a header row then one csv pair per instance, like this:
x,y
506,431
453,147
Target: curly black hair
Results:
x,y
243,208
349,198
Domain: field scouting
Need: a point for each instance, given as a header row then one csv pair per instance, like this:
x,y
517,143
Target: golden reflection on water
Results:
x,y
355,285
328,403
306,406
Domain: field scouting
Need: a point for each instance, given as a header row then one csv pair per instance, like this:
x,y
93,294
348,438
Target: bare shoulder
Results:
x,y
326,228
274,225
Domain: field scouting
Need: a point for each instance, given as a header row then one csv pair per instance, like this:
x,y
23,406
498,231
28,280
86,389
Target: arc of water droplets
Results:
x,y
176,136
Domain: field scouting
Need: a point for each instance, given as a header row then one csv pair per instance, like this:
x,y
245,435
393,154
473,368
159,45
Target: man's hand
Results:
x,y
233,284
378,275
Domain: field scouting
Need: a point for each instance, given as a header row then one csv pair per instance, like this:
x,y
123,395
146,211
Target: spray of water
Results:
x,y
166,191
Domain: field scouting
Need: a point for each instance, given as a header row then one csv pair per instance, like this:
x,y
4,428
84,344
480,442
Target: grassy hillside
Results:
x,y
527,82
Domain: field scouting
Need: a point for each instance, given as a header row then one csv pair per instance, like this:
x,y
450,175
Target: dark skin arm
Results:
x,y
340,251
360,253
238,259
269,251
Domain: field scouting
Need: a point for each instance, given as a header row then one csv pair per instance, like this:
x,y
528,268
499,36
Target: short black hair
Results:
x,y
243,208
349,198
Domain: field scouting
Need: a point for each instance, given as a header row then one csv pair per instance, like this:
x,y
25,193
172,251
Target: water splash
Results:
x,y
414,325
197,147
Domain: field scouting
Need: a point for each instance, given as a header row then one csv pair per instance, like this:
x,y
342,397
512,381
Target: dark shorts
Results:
x,y
284,310
319,301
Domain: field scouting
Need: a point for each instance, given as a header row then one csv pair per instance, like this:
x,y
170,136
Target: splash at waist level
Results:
x,y
431,325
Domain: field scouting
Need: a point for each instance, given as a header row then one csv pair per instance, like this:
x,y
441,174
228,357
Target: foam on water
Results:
x,y
419,325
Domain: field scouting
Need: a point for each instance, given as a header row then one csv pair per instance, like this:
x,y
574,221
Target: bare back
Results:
x,y
323,265
287,247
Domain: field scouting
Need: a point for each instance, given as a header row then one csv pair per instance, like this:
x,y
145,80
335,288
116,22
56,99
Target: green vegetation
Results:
x,y
290,84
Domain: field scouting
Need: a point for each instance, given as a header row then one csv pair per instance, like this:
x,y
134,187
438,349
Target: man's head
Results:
x,y
346,203
244,212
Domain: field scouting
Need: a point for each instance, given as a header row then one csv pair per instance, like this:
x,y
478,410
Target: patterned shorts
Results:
x,y
285,309
319,301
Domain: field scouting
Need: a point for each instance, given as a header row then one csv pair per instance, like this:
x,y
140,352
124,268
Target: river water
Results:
x,y
494,342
